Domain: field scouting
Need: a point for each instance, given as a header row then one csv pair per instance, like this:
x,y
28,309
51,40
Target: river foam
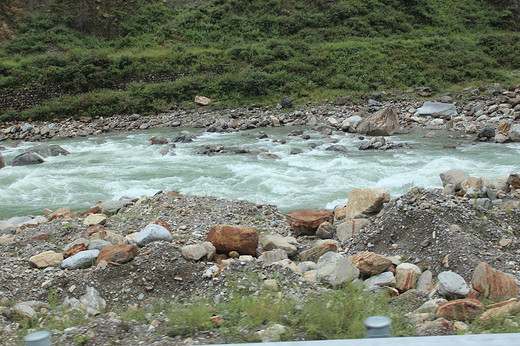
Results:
x,y
127,165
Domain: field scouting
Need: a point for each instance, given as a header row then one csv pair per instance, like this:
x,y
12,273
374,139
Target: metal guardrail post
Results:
x,y
378,327
41,338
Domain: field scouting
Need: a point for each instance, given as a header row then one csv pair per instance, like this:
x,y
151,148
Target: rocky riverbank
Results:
x,y
432,250
490,116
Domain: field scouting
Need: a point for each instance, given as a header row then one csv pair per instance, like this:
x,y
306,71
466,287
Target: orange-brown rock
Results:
x,y
501,311
405,279
242,239
118,253
75,249
493,283
61,212
163,223
94,210
91,230
157,140
321,248
363,202
370,263
514,180
307,221
461,309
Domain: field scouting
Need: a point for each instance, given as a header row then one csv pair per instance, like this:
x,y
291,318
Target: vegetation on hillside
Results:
x,y
145,56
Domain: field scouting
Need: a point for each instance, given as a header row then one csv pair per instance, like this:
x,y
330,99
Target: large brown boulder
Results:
x,y
2,163
118,253
382,123
370,263
363,202
242,239
493,283
461,309
307,221
514,180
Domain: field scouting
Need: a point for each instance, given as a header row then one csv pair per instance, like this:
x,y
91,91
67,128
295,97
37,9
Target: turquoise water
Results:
x,y
127,165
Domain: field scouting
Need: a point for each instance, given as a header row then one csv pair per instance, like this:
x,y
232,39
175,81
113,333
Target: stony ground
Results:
x,y
426,227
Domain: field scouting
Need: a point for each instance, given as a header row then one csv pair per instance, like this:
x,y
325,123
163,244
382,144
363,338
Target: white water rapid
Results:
x,y
127,165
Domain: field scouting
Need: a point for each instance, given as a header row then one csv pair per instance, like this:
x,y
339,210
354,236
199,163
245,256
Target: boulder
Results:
x,y
194,252
113,207
307,221
74,249
48,150
437,109
63,212
2,163
210,250
452,285
514,180
461,309
95,219
334,269
25,159
325,231
98,244
514,133
375,283
92,302
348,229
382,123
454,177
370,263
157,140
275,241
425,282
321,247
365,202
493,284
476,185
118,253
275,255
83,259
226,238
46,259
405,279
286,102
500,312
151,233
202,100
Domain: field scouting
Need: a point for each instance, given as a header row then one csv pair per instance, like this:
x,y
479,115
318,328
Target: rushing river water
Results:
x,y
127,165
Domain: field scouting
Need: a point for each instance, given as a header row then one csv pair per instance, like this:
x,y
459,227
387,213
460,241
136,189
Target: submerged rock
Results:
x,y
26,159
48,150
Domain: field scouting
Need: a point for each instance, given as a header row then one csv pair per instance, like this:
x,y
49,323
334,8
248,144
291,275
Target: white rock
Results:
x,y
335,269
82,259
92,302
275,241
437,109
152,233
452,285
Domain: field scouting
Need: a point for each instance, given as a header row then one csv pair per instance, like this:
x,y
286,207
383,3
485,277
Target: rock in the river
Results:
x,y
2,163
493,284
365,202
370,263
275,241
382,123
25,159
118,253
454,177
452,285
226,238
437,109
307,221
48,150
334,269
46,259
83,259
157,140
461,309
514,133
151,233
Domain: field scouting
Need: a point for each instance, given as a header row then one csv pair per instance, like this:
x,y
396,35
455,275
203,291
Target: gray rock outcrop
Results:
x,y
437,109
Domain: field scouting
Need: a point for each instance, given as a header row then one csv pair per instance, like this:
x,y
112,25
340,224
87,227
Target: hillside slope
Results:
x,y
64,58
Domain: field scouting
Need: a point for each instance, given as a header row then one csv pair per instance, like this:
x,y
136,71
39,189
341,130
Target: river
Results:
x,y
111,166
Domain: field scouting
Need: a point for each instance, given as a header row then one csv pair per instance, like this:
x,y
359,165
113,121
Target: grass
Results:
x,y
153,55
